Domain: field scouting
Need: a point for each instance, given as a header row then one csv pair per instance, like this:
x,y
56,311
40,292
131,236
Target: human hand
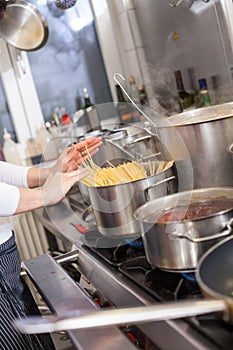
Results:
x,y
72,157
58,184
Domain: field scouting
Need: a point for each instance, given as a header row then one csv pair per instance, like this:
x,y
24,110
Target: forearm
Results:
x,y
37,176
54,189
29,199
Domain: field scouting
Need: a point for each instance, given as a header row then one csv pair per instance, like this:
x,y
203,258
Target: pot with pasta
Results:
x,y
116,191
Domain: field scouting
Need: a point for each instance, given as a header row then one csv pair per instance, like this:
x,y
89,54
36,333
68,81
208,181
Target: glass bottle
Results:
x,y
143,95
33,151
123,107
91,112
185,99
134,93
204,93
10,149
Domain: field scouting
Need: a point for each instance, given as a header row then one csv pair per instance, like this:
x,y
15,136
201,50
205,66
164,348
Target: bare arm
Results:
x,y
53,190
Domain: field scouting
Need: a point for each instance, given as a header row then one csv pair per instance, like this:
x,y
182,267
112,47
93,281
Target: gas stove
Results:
x,y
120,277
165,286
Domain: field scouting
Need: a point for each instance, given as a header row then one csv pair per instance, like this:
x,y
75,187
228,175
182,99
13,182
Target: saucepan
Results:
x,y
179,228
214,277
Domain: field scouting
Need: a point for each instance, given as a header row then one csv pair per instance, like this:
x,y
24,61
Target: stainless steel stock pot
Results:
x,y
114,206
206,133
176,244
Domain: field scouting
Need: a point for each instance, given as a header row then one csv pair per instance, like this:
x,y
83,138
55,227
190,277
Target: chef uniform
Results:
x,y
15,298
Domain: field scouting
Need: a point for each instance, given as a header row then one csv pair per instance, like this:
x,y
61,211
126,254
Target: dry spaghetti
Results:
x,y
123,173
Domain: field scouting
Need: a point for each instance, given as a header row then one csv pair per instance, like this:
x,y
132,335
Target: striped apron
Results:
x,y
13,291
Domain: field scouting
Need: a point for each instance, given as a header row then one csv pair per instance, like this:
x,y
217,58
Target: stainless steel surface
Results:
x,y
206,133
119,290
142,144
230,148
122,292
84,192
61,220
23,26
114,206
62,294
160,312
179,245
182,3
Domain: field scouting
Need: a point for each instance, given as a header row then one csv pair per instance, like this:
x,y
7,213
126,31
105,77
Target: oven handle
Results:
x,y
78,319
67,257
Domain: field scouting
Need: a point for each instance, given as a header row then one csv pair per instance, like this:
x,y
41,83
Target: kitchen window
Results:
x,y
37,82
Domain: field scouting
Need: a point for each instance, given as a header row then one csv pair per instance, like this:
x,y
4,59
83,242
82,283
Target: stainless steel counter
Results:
x,y
61,220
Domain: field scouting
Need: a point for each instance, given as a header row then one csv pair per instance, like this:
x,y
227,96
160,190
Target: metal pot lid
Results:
x,y
201,115
23,26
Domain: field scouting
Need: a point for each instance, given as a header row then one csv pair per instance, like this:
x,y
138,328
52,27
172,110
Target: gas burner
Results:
x,y
119,252
163,285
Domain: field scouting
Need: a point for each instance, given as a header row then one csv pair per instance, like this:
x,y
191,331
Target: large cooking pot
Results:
x,y
114,206
214,277
206,133
179,228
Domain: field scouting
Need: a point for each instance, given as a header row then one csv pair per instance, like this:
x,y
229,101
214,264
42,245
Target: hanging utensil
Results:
x,y
23,26
65,4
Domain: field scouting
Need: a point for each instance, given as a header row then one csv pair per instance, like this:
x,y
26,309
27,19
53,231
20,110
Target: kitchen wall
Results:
x,y
154,39
195,41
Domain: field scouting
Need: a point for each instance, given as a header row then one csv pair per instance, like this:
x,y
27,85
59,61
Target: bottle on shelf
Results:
x,y
123,107
91,112
2,158
33,151
185,99
47,144
143,98
10,149
194,87
134,93
204,93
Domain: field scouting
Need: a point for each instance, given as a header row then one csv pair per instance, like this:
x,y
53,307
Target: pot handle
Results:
x,y
139,139
146,191
230,148
224,233
86,213
119,147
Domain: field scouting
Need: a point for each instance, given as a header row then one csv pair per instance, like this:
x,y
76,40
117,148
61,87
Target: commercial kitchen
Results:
x,y
144,263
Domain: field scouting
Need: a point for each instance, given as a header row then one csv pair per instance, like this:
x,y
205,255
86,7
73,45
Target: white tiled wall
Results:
x,y
120,40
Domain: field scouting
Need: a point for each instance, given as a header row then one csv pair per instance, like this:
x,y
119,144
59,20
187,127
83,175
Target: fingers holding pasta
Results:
x,y
72,157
